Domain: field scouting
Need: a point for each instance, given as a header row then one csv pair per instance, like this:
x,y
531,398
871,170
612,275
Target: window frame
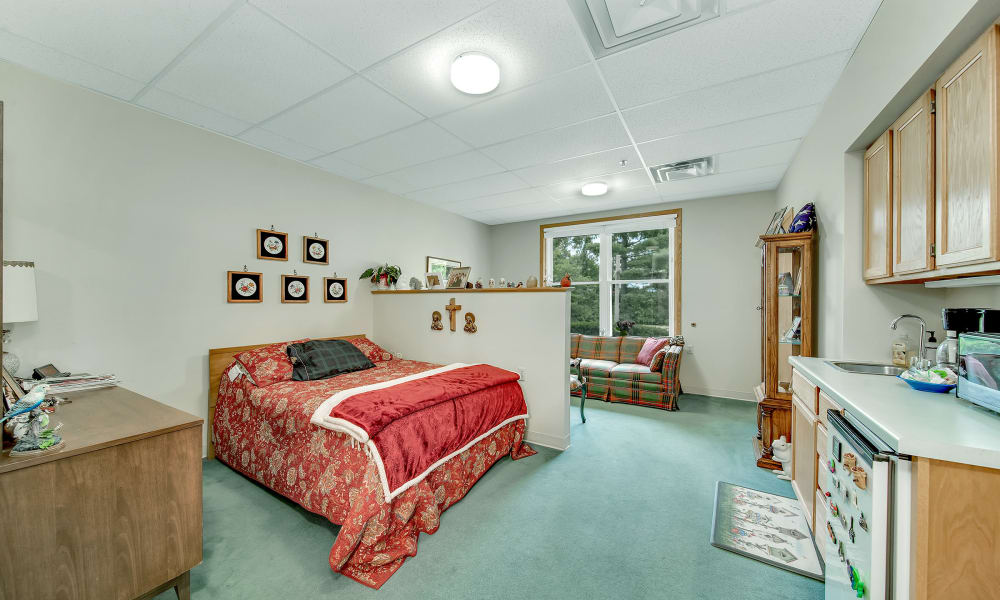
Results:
x,y
605,227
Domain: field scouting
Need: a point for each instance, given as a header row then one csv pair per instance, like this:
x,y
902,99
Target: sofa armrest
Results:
x,y
672,368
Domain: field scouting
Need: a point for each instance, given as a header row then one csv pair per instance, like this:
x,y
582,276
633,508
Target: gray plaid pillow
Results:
x,y
320,359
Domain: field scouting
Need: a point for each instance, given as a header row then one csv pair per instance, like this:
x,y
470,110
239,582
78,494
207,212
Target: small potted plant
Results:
x,y
624,326
383,276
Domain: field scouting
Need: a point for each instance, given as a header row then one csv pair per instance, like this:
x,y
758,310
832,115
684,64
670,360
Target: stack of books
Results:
x,y
73,383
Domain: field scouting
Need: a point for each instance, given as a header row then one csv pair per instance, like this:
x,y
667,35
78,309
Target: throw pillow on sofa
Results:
x,y
649,349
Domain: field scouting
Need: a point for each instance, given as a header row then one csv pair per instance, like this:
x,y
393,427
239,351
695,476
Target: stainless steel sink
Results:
x,y
865,368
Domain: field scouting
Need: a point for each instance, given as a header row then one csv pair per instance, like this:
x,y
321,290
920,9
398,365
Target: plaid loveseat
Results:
x,y
610,366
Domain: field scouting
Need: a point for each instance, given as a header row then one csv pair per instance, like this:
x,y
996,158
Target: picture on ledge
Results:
x,y
774,225
272,245
441,266
243,286
334,289
433,281
315,251
294,289
458,277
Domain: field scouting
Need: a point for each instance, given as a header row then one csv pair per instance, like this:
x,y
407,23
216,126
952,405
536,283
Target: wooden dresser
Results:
x,y
114,514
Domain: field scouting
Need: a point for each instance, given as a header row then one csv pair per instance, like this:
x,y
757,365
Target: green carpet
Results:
x,y
624,513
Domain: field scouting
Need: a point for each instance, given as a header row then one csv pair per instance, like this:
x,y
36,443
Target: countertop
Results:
x,y
938,426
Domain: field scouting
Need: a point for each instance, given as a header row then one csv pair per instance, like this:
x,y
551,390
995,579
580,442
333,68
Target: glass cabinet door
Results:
x,y
788,319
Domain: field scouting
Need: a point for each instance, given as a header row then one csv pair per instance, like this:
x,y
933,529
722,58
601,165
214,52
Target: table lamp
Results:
x,y
19,303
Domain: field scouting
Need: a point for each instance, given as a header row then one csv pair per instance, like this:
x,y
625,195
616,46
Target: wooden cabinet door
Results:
x,y
804,455
967,155
878,208
913,188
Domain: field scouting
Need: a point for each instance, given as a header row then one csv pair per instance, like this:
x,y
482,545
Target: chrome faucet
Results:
x,y
923,331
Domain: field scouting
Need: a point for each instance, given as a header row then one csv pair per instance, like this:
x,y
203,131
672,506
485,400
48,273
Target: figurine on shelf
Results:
x,y
520,284
781,451
566,281
503,282
479,283
436,324
29,424
492,283
415,283
532,282
470,323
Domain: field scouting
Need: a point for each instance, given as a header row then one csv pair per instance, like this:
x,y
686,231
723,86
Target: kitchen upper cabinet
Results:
x,y
967,156
913,188
878,208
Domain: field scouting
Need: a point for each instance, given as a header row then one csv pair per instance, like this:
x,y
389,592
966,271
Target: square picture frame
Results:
x,y
332,293
295,289
436,264
433,281
272,245
243,287
458,277
315,251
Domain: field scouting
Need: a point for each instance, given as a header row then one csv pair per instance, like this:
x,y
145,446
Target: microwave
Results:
x,y
979,369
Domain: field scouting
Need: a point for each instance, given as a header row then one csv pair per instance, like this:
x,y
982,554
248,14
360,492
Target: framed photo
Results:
x,y
294,289
12,392
441,266
334,289
433,281
272,245
315,251
458,277
243,286
773,226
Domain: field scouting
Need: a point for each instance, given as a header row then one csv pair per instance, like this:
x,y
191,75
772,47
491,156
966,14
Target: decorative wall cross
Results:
x,y
452,308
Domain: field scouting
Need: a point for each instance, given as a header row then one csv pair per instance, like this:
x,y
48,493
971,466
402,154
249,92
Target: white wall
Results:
x,y
526,332
134,219
720,284
907,46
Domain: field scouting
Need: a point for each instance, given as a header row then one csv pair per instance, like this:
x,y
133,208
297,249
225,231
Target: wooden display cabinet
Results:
x,y
787,329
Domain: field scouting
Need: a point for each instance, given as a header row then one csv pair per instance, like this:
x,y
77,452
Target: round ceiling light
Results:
x,y
475,73
594,188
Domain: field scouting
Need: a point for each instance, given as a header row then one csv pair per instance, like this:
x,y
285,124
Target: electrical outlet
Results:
x,y
688,350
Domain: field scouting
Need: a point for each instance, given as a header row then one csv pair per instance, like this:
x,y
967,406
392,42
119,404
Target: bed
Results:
x,y
265,433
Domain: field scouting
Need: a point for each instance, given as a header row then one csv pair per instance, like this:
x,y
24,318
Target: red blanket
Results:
x,y
413,426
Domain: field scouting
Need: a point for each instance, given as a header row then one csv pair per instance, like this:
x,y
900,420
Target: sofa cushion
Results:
x,y
591,367
630,348
574,345
651,347
635,372
598,347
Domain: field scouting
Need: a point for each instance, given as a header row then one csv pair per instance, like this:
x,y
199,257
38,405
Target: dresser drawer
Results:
x,y
805,390
826,403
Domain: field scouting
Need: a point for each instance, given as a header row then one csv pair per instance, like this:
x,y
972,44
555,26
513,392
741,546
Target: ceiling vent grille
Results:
x,y
685,169
613,25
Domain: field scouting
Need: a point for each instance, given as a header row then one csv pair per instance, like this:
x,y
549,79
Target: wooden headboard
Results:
x,y
218,360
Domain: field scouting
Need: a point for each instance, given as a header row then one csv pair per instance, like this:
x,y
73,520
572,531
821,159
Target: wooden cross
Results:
x,y
452,308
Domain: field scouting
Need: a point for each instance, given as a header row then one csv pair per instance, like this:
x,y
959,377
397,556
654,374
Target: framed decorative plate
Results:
x,y
272,245
243,287
335,289
315,250
294,289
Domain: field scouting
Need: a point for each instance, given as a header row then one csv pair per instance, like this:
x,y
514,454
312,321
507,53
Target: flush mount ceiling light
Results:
x,y
594,188
475,73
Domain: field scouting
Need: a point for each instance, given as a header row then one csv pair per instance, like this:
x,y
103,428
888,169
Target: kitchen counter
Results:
x,y
937,426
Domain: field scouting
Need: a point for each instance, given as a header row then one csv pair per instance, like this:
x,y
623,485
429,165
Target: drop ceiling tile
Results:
x,y
779,127
769,36
337,166
472,188
755,158
617,182
638,194
499,201
738,5
190,112
280,144
557,144
62,66
715,192
387,183
721,182
351,112
452,169
797,86
251,68
136,39
529,39
518,212
581,167
570,97
362,33
416,144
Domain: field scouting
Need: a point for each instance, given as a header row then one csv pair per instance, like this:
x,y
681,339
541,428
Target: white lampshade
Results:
x,y
20,303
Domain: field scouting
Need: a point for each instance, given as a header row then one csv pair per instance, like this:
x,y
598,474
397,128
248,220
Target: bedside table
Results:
x,y
115,513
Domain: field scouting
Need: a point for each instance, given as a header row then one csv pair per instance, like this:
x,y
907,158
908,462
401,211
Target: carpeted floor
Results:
x,y
624,513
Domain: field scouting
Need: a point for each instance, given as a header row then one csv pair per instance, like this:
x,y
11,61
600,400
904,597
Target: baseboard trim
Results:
x,y
731,394
549,441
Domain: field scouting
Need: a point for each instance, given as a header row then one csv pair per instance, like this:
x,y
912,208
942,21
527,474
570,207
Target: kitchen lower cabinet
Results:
x,y
804,455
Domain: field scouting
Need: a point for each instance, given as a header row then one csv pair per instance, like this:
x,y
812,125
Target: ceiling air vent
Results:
x,y
613,25
685,169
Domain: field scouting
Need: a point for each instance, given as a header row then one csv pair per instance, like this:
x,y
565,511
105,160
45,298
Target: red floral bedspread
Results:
x,y
265,433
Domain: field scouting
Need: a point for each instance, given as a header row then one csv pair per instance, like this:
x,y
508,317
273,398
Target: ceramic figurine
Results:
x,y
492,283
781,451
532,282
503,282
510,284
479,283
470,323
520,284
436,324
415,283
566,282
30,424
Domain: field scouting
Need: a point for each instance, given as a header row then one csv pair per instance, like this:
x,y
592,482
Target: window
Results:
x,y
625,268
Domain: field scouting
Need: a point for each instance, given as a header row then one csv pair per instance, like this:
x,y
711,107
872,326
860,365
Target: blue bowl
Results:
x,y
925,386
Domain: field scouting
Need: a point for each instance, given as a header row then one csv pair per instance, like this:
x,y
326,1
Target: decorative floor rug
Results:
x,y
765,527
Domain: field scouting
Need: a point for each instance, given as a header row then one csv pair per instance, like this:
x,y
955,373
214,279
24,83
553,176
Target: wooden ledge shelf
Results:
x,y
520,290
